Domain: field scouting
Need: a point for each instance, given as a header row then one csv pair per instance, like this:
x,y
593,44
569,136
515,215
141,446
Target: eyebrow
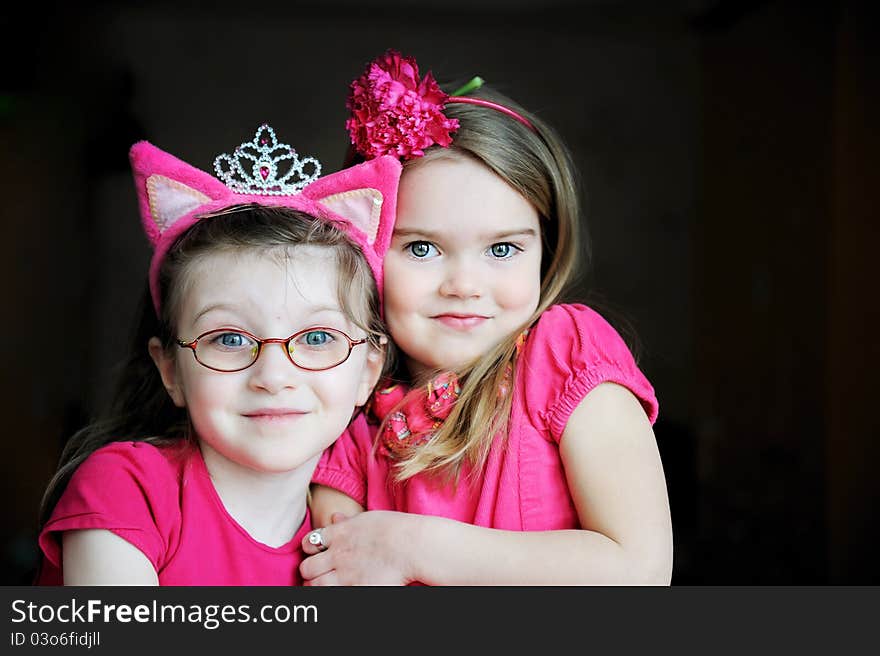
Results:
x,y
433,236
212,308
316,309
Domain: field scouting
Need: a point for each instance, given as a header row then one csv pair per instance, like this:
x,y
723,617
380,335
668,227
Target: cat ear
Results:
x,y
365,196
169,189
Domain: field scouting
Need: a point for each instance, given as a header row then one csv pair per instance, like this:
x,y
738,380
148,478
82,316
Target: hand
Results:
x,y
371,548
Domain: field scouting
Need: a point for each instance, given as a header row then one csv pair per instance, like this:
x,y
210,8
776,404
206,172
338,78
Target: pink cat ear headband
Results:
x,y
172,195
395,113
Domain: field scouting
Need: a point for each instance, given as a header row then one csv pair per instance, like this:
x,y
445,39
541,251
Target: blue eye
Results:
x,y
317,338
232,340
422,249
502,250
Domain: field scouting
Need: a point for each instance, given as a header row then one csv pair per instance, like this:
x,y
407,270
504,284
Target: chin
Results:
x,y
463,358
277,463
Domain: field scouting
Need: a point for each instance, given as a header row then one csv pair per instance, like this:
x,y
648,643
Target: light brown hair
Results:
x,y
141,409
538,165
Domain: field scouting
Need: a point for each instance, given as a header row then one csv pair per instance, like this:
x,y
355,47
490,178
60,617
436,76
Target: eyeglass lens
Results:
x,y
229,350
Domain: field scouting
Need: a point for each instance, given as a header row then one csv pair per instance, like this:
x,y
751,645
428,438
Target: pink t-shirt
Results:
x,y
569,351
163,502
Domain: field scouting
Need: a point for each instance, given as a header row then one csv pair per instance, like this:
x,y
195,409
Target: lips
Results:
x,y
460,321
274,414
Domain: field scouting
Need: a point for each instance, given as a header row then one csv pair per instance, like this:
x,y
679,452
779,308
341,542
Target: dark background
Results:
x,y
730,161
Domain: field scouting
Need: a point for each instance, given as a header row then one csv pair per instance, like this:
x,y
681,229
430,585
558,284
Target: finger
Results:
x,y
315,541
337,517
325,580
315,566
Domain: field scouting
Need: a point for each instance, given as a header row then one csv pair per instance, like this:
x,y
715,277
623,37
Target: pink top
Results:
x,y
163,502
569,351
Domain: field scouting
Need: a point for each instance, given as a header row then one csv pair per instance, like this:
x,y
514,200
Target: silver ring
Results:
x,y
317,539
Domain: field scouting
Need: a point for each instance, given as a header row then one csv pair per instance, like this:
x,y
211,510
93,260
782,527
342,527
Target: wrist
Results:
x,y
413,543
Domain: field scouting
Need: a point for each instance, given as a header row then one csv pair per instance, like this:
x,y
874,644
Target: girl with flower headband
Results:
x,y
514,444
259,336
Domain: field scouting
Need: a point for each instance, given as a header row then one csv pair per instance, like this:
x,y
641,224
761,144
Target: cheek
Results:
x,y
403,290
520,289
338,386
402,303
202,389
355,373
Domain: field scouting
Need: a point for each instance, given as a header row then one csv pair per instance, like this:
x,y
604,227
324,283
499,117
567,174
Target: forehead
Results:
x,y
460,193
278,280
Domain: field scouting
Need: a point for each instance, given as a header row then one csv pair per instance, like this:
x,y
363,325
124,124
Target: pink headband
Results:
x,y
172,195
395,113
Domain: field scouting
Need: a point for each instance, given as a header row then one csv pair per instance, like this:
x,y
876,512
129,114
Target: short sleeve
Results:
x,y
343,465
570,351
128,488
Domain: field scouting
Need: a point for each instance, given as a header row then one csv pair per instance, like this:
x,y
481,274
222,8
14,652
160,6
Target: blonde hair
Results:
x,y
540,167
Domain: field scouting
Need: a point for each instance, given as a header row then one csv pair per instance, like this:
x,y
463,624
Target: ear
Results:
x,y
365,196
169,189
372,370
167,367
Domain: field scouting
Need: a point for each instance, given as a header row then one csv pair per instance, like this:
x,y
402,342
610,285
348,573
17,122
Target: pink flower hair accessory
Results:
x,y
393,112
173,195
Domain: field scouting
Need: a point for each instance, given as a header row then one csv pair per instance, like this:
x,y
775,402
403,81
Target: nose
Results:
x,y
273,371
460,280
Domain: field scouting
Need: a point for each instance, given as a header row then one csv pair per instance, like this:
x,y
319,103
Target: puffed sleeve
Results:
x,y
570,351
128,488
343,465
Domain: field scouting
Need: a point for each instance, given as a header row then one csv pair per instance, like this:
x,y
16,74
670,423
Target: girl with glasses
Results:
x,y
516,434
259,338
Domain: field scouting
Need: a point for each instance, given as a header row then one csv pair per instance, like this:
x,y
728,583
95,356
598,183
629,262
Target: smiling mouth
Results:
x,y
274,415
460,321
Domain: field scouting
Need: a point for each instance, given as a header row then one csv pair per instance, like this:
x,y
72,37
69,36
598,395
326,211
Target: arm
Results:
x,y
616,481
325,501
100,557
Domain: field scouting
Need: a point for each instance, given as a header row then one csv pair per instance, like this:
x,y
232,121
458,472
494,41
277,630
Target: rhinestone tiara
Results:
x,y
255,167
